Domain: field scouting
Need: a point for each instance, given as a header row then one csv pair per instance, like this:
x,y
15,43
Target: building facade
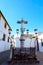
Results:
x,y
31,42
40,41
5,29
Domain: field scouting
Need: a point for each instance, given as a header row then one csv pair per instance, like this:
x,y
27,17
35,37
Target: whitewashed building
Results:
x,y
4,36
40,41
31,42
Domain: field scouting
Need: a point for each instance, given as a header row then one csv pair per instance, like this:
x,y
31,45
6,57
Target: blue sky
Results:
x,y
30,10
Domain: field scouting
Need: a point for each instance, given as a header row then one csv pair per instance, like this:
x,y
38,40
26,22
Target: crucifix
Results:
x,y
22,22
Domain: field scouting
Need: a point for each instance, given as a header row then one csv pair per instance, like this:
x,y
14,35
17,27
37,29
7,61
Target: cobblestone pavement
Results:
x,y
41,63
39,56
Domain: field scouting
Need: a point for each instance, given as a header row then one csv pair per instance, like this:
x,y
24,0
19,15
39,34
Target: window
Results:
x,y
8,39
5,25
42,42
3,37
0,16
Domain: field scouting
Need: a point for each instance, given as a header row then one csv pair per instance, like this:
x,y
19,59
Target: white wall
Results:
x,y
40,45
39,40
30,43
17,43
27,43
4,45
